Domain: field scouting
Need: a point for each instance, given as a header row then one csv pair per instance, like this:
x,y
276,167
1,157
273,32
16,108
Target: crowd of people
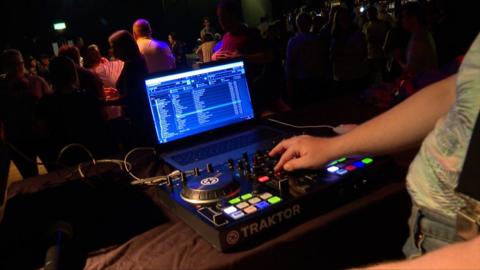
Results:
x,y
303,57
300,59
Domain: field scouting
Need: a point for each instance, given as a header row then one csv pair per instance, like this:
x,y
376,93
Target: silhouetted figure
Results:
x,y
178,49
31,65
263,26
375,32
42,67
242,41
384,16
207,28
89,82
70,115
349,54
395,47
20,93
307,64
131,86
421,54
454,29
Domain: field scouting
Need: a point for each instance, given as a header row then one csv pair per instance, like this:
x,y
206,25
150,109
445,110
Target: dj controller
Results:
x,y
245,200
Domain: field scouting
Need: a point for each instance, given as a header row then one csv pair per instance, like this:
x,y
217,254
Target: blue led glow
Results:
x,y
262,205
237,215
359,164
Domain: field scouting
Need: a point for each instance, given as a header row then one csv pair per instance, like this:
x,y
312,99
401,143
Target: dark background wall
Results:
x,y
28,24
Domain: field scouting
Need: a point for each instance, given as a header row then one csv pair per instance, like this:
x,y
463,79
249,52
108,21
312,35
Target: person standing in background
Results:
x,y
20,93
178,49
131,87
207,28
421,53
205,51
158,55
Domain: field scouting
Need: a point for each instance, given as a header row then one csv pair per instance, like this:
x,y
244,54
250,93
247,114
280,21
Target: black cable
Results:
x,y
126,165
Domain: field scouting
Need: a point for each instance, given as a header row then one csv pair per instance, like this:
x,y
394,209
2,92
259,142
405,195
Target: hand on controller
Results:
x,y
303,152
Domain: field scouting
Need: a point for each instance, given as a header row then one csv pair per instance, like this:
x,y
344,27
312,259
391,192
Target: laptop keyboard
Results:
x,y
225,146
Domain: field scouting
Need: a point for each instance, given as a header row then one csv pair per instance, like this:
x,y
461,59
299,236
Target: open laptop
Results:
x,y
205,115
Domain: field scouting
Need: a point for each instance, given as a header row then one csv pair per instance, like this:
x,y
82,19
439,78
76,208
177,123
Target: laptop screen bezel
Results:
x,y
205,135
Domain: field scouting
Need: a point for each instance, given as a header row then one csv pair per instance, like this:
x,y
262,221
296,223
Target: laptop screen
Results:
x,y
191,102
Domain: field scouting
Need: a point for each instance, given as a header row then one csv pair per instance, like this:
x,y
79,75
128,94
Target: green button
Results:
x,y
333,163
246,196
235,200
274,200
367,160
342,159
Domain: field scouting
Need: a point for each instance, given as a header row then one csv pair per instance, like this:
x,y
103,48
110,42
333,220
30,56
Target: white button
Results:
x,y
265,196
332,169
254,200
229,210
237,215
242,205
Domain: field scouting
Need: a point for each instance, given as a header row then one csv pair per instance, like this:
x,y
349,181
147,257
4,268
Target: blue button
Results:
x,y
262,205
359,164
237,215
342,172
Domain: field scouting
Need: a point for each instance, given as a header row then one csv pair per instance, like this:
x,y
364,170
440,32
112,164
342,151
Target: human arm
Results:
x,y
254,50
401,127
463,255
199,50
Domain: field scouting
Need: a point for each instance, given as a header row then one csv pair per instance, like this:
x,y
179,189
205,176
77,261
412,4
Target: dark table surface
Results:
x,y
125,227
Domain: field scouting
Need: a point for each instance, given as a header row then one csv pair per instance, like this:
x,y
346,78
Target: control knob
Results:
x,y
209,168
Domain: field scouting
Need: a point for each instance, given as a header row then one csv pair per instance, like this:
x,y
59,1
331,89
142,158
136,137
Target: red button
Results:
x,y
263,179
350,168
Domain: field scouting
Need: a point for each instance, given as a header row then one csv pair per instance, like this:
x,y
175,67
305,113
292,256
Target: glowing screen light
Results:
x,y
59,26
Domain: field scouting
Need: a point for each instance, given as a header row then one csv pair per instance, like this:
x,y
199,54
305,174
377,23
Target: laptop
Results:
x,y
205,116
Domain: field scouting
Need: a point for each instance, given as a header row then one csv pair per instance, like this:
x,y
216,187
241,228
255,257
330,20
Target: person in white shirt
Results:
x,y
107,71
157,54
